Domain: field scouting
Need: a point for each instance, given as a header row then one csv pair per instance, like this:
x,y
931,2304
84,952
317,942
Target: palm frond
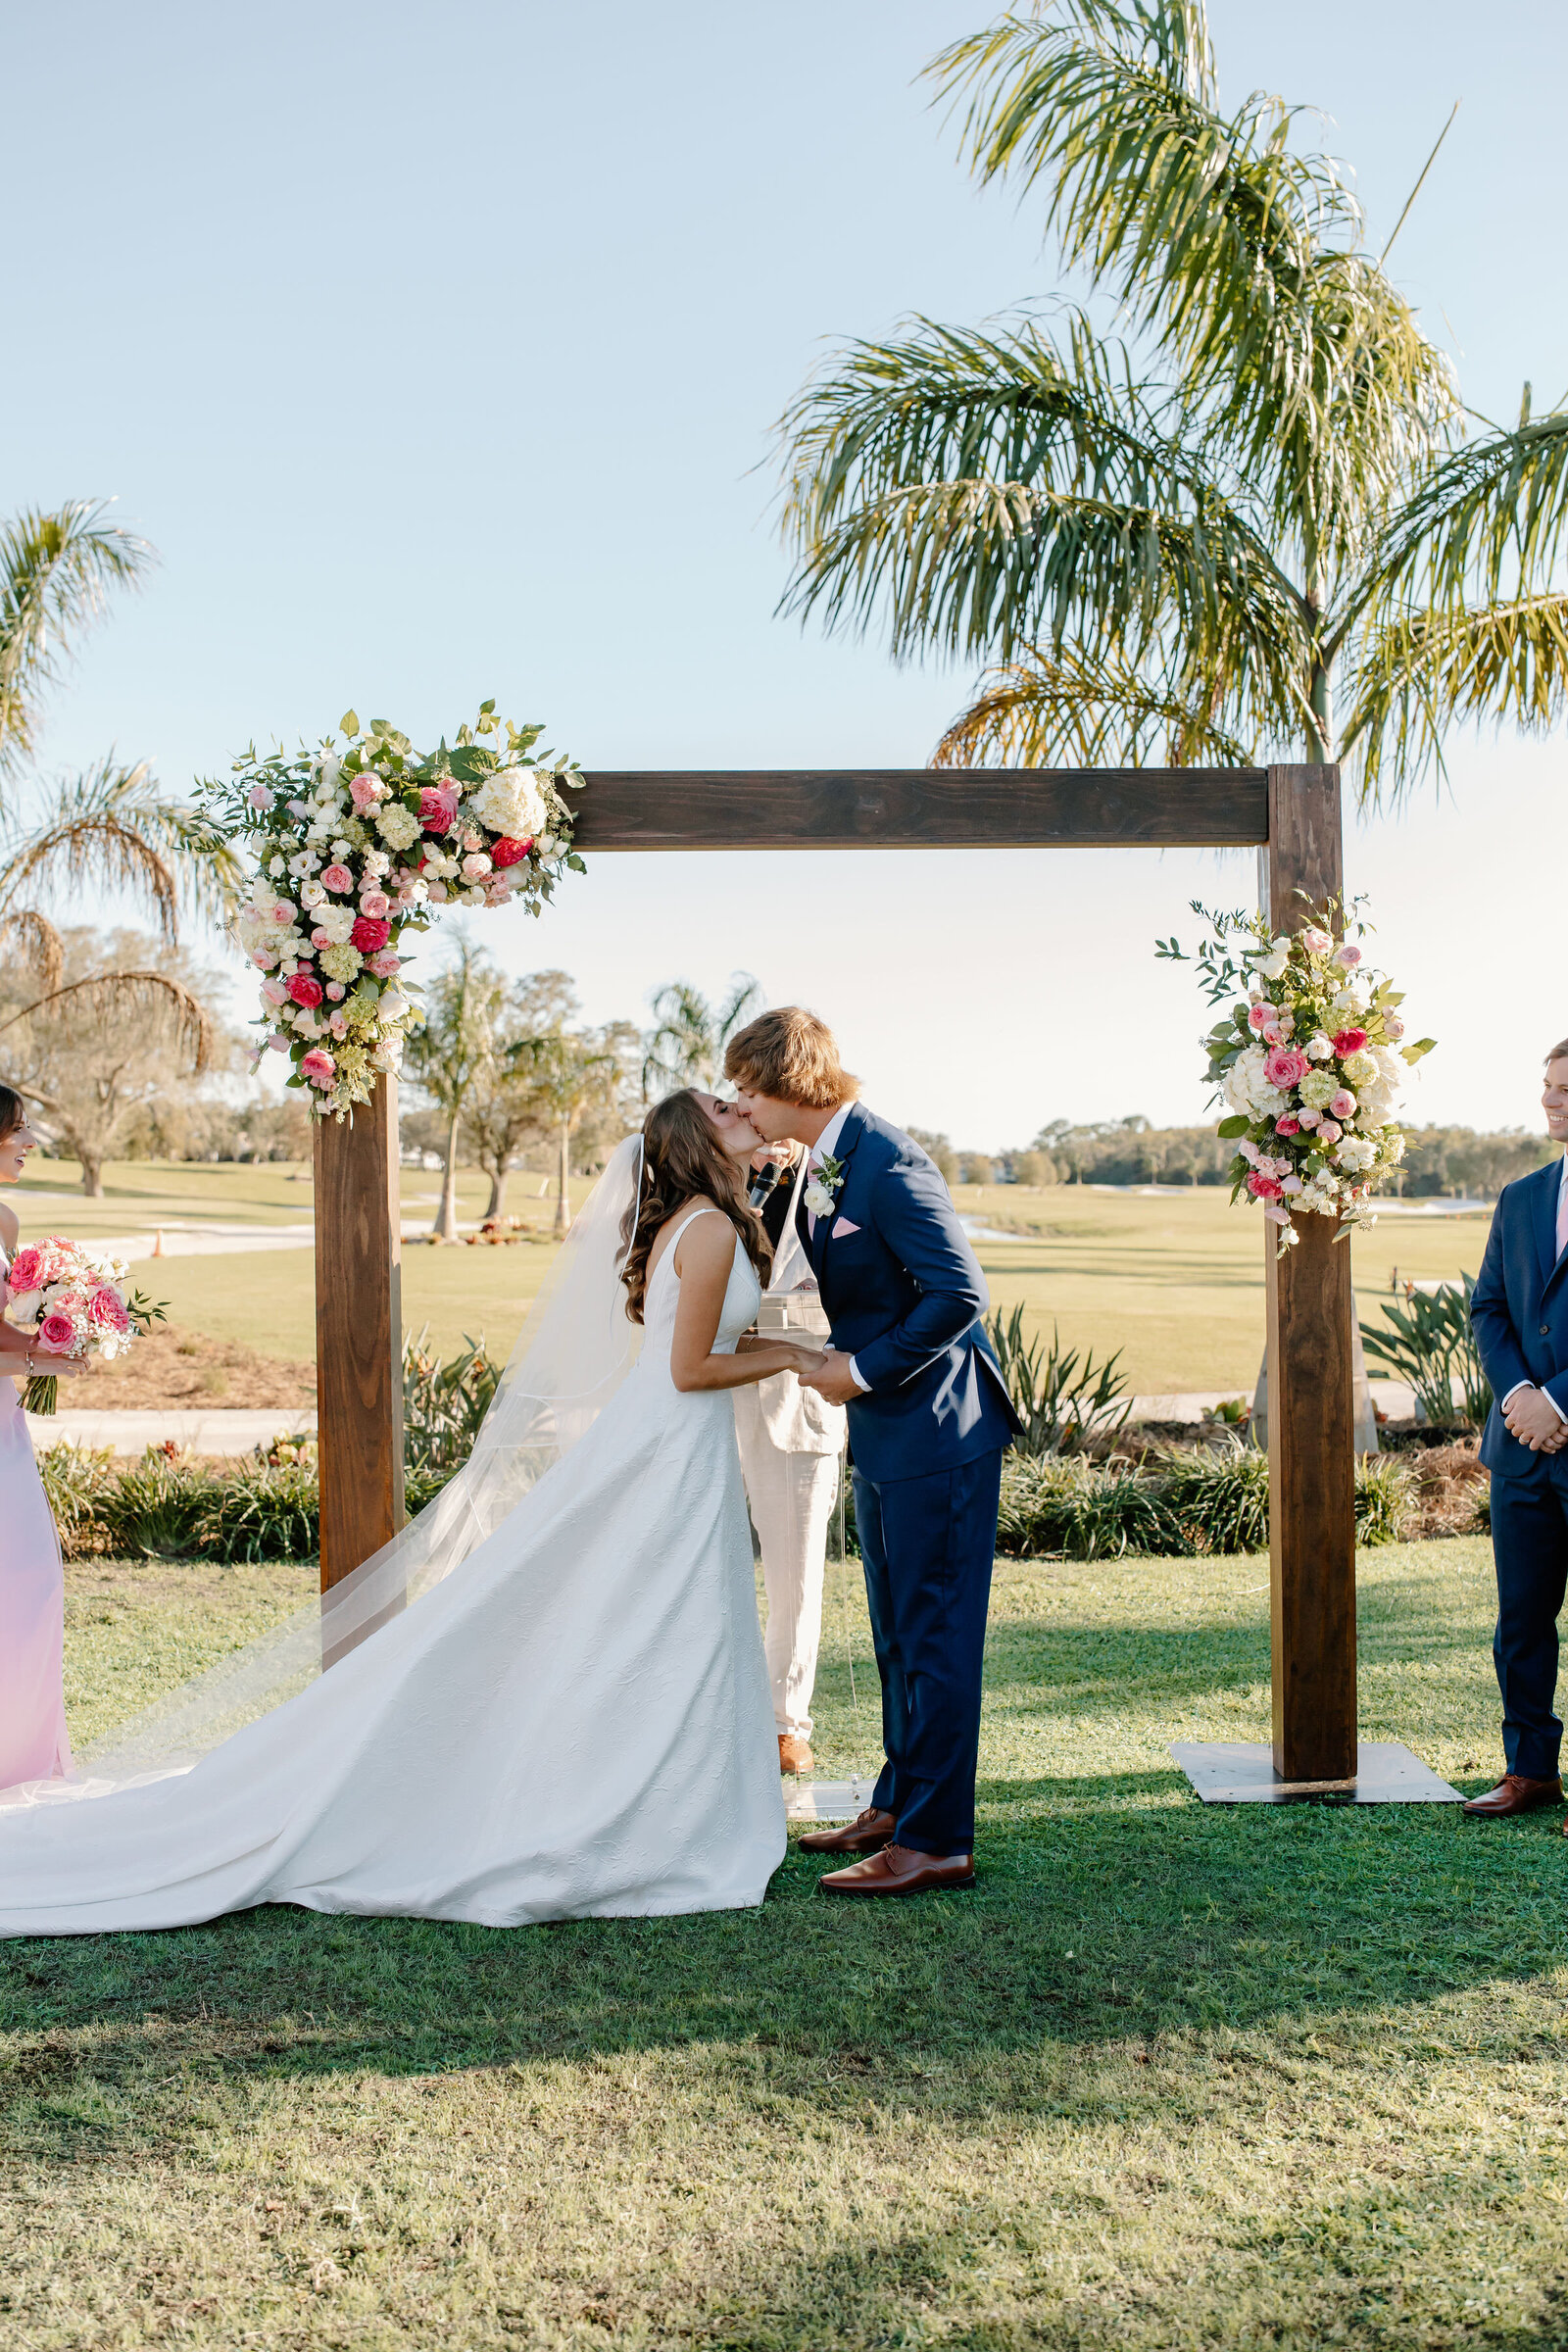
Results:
x,y
1423,672
34,938
111,827
1242,256
153,993
56,571
1487,522
986,492
1077,709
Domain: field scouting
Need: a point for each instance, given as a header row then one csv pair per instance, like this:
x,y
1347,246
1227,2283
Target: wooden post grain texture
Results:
x,y
359,1333
1311,1441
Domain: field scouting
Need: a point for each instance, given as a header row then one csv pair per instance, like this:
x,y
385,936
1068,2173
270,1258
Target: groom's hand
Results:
x,y
1534,1422
832,1379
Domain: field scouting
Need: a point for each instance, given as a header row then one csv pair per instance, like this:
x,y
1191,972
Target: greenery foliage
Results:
x,y
1428,1341
443,1401
168,1508
1060,1396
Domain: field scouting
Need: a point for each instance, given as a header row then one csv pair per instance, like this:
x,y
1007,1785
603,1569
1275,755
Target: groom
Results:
x,y
929,1418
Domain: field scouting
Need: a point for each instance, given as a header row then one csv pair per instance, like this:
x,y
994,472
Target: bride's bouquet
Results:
x,y
75,1301
1309,1064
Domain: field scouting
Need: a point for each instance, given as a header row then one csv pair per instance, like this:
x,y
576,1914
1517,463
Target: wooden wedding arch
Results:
x,y
1291,814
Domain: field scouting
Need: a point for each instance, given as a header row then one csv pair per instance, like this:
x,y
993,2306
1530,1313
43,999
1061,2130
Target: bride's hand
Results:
x,y
806,1360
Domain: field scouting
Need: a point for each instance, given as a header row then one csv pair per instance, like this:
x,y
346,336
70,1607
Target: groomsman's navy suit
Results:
x,y
903,1295
1519,1313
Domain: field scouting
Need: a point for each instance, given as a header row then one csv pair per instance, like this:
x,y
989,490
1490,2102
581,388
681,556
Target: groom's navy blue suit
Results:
x,y
903,1295
1519,1312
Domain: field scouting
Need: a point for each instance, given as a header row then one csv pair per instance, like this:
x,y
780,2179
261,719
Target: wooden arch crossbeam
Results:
x,y
1292,814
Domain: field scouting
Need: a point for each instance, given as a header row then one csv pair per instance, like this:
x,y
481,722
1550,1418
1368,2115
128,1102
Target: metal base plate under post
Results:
x,y
1241,1772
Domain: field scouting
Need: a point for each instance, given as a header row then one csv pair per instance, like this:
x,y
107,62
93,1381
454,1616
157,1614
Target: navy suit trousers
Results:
x,y
927,1546
1530,1544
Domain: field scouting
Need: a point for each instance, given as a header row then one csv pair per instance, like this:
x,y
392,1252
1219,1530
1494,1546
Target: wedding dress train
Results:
x,y
576,1723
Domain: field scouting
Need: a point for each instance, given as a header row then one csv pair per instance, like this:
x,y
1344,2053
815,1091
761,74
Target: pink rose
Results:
x,y
1392,1027
437,893
1343,1105
336,877
374,903
1316,943
284,913
1348,956
260,797
1285,1067
26,1269
263,958
339,1024
1350,1041
305,990
1260,1015
321,938
504,850
1289,1124
106,1311
56,1334
368,935
278,1042
366,792
1264,1187
1277,1213
497,891
438,806
273,992
385,964
1328,1131
318,1066
336,990
1308,1119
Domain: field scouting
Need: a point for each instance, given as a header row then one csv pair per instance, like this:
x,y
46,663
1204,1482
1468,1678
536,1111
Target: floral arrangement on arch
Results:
x,y
356,846
75,1301
1309,1061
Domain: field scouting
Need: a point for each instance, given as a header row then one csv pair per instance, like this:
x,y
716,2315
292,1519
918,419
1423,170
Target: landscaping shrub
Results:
x,y
442,1402
1178,1504
1427,1341
1061,1398
168,1507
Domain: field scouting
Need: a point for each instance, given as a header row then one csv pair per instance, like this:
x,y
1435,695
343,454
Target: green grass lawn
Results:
x,y
1170,2076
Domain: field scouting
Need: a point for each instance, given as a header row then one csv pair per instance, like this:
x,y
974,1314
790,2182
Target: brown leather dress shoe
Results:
x,y
867,1833
1514,1794
900,1870
793,1754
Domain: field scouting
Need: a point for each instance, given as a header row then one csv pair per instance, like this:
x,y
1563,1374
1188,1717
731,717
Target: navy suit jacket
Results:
x,y
904,1294
1519,1314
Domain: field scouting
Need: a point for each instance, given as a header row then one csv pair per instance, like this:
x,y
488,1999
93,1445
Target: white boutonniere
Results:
x,y
824,1188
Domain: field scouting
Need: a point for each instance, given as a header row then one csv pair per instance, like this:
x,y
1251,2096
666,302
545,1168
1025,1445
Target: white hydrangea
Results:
x,y
398,827
1359,1069
1246,1089
1318,1089
1355,1153
508,802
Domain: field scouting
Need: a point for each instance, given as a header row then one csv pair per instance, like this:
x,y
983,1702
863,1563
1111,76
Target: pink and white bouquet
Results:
x,y
75,1302
356,846
1309,1061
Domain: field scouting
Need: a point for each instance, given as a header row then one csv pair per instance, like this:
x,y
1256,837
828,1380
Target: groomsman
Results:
x,y
1520,1317
790,1440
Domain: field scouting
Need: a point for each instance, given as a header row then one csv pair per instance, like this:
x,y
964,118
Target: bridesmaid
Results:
x,y
34,1746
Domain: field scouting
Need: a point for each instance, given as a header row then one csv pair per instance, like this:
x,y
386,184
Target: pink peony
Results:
x,y
366,792
504,850
56,1333
336,877
1289,1124
1350,1041
438,806
305,990
273,992
1316,943
318,1066
106,1311
26,1269
374,903
1285,1067
385,964
1264,1187
1348,956
1343,1105
1329,1131
369,934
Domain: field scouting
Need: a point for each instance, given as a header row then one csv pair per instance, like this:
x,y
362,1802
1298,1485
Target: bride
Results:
x,y
576,1725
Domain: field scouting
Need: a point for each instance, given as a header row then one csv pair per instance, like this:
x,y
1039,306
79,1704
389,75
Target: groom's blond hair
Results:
x,y
791,1057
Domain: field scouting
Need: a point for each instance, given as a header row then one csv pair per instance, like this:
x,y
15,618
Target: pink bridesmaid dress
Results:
x,y
33,1744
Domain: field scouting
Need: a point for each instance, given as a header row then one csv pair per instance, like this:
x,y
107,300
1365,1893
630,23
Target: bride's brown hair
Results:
x,y
683,1159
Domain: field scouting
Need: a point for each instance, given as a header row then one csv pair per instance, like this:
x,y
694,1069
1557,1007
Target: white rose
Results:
x,y
1319,1047
1273,964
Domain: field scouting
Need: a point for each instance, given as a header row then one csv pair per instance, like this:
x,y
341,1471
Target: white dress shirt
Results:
x,y
1562,1245
816,1152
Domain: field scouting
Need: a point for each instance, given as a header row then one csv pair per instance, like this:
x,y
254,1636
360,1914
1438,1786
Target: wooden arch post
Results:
x,y
1293,814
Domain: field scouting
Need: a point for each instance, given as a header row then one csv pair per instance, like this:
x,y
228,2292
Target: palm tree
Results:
x,y
686,1045
109,826
570,1072
448,1054
1265,523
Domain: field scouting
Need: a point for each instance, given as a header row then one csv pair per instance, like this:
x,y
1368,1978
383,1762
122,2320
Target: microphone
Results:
x,y
765,1184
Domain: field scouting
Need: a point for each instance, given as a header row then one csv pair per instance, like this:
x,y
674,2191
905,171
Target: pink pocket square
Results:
x,y
841,1229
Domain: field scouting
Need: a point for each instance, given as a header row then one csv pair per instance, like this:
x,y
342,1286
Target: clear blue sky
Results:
x,y
436,350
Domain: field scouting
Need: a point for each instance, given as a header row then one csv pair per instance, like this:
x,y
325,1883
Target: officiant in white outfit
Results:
x,y
791,1440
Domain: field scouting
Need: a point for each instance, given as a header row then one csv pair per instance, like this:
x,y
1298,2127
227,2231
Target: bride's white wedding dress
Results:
x,y
576,1723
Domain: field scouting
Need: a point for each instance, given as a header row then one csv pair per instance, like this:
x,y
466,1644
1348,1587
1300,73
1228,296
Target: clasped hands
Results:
x,y
1535,1421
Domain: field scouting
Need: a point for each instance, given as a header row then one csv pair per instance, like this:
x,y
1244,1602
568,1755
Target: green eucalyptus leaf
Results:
x,y
1233,1127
